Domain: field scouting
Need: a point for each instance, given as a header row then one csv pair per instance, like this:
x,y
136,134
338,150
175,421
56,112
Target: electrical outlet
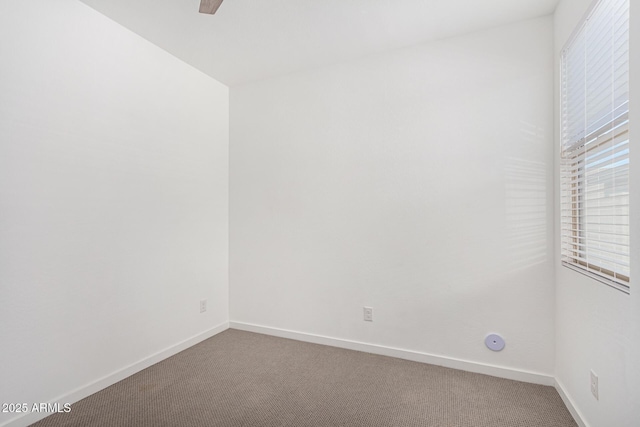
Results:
x,y
368,314
203,305
594,385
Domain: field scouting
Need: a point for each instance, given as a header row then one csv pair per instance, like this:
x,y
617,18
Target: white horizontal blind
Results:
x,y
595,146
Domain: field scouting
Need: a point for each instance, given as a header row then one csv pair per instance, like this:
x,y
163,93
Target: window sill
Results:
x,y
602,279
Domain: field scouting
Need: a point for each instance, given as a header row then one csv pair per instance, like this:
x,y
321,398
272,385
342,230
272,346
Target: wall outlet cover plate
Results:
x,y
494,342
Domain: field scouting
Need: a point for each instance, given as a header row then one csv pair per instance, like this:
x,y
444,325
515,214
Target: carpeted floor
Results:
x,y
245,379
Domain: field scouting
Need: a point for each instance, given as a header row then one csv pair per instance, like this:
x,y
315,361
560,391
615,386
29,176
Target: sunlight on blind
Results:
x,y
595,146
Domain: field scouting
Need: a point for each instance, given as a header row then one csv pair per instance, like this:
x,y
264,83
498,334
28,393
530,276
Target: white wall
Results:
x,y
113,199
598,327
418,182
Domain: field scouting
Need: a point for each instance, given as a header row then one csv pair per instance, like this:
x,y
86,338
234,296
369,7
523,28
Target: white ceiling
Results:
x,y
253,39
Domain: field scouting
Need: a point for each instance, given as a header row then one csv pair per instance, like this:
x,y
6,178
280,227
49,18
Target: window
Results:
x,y
595,146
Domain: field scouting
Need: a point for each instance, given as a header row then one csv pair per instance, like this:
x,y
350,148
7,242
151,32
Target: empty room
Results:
x,y
319,213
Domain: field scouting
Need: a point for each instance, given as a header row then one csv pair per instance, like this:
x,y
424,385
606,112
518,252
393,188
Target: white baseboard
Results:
x,y
448,362
568,402
104,382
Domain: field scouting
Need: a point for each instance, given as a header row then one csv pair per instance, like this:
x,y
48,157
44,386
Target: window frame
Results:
x,y
573,176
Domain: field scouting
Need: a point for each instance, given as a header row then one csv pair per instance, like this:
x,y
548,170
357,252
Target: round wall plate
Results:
x,y
495,342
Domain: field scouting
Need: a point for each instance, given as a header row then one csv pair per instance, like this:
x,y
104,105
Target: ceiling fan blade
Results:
x,y
209,6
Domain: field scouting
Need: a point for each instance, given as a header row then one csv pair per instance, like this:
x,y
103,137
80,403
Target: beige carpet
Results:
x,y
245,379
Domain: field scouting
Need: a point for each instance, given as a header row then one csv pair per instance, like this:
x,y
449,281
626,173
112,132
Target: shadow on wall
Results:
x,y
526,210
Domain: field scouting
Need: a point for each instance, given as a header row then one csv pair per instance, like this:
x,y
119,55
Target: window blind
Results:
x,y
595,146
